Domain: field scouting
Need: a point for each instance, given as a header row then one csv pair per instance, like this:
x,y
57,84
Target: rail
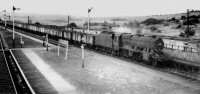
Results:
x,y
14,72
8,67
23,75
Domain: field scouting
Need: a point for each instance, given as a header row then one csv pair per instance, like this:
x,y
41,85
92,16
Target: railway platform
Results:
x,y
37,81
49,73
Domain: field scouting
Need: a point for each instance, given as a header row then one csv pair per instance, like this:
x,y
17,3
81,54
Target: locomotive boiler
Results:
x,y
147,48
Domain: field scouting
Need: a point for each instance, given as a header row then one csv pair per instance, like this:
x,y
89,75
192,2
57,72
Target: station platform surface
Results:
x,y
100,75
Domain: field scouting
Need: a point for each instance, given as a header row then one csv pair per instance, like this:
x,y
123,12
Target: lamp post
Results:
x,y
5,17
14,25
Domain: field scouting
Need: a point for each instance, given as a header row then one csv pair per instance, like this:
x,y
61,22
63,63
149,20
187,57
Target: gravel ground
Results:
x,y
107,75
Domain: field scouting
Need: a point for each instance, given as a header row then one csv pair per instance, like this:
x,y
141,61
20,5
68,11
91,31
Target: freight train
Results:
x,y
145,48
137,47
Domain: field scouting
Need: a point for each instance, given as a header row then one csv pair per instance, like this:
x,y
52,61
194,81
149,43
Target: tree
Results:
x,y
153,28
173,19
72,25
133,24
139,31
152,21
183,17
37,23
192,20
189,32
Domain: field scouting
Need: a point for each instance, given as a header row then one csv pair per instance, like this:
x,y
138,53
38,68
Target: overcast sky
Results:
x,y
101,8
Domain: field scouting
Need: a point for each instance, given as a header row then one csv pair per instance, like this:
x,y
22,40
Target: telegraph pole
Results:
x,y
14,25
89,10
5,17
28,20
67,23
188,19
47,41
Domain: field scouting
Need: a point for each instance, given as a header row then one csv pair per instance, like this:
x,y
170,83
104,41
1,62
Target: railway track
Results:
x,y
180,73
6,81
12,80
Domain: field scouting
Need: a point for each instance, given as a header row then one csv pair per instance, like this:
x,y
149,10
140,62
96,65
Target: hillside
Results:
x,y
62,19
169,30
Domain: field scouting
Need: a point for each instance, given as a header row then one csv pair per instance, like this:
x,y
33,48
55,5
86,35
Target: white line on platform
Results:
x,y
61,85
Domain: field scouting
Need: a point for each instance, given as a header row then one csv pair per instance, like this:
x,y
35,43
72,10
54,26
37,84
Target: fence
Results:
x,y
182,48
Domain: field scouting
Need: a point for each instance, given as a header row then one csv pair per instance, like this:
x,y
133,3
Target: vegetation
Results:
x,y
37,23
154,29
152,21
139,31
132,24
188,32
192,20
178,26
72,25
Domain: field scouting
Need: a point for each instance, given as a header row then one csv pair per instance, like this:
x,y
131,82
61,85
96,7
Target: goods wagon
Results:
x,y
104,40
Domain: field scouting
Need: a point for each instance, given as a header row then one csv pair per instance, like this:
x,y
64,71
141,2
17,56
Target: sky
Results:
x,y
101,8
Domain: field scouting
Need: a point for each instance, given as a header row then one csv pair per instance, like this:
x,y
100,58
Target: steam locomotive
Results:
x,y
137,47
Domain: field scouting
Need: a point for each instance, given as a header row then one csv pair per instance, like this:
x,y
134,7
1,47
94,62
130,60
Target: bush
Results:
x,y
192,20
182,34
183,17
37,23
166,24
158,31
179,26
132,24
153,28
189,32
152,21
173,19
139,31
72,25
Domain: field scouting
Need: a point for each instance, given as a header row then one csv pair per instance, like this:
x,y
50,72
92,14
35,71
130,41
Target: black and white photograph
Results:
x,y
99,47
